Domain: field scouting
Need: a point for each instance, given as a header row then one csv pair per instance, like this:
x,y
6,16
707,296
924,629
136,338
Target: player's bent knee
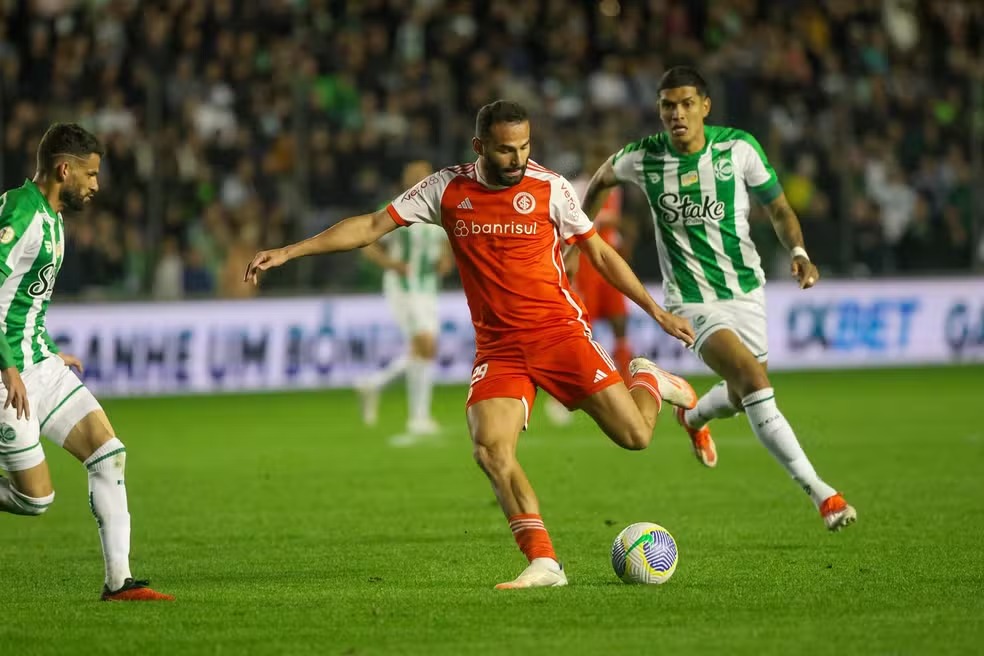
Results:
x,y
637,438
749,377
32,506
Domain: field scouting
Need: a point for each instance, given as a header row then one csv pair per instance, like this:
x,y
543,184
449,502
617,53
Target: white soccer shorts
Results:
x,y
58,401
415,313
744,315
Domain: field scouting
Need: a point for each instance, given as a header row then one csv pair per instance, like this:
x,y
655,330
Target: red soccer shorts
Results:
x,y
569,367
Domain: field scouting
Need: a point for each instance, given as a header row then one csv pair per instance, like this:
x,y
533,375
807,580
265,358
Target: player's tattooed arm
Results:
x,y
617,272
601,183
790,234
346,235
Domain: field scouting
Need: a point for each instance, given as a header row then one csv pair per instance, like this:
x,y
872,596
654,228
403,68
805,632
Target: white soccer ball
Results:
x,y
644,553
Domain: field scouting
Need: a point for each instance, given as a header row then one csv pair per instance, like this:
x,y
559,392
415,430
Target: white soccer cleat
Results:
x,y
541,573
674,389
369,395
837,513
425,426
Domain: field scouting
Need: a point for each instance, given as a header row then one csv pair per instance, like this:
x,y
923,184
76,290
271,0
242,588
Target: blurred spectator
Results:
x,y
168,281
287,111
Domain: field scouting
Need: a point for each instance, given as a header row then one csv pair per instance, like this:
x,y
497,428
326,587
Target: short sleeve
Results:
x,y
15,224
625,162
566,212
422,202
759,175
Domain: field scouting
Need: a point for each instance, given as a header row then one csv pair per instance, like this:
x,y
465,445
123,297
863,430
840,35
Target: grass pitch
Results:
x,y
285,526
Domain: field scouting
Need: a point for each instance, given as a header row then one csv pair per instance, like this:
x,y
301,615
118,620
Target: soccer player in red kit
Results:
x,y
507,219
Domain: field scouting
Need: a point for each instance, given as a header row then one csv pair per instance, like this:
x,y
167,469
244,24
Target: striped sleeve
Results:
x,y
624,162
15,222
759,175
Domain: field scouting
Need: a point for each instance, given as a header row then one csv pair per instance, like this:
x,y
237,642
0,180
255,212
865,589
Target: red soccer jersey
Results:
x,y
507,242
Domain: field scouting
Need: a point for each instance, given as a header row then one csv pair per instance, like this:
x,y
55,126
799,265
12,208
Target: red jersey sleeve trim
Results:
x,y
399,220
581,237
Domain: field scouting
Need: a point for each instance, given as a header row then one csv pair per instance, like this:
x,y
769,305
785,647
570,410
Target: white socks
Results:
x,y
772,429
420,384
713,405
107,499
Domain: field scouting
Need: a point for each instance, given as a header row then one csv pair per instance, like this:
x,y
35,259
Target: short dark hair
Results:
x,y
683,76
500,111
66,139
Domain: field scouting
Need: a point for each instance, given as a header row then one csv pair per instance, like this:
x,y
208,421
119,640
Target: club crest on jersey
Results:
x,y
47,246
654,177
6,235
524,202
689,178
724,170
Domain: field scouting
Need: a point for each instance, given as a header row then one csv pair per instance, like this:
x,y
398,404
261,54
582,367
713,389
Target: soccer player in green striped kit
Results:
x,y
41,394
698,179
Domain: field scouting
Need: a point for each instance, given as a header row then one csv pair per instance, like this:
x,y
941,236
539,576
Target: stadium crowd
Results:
x,y
236,124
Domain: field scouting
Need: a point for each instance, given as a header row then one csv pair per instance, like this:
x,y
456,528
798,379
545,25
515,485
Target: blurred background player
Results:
x,y
603,302
41,395
414,261
506,217
698,180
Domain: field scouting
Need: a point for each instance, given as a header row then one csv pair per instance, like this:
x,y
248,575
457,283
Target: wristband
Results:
x,y
799,251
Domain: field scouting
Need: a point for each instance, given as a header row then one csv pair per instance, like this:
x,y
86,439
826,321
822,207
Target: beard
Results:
x,y
72,200
497,174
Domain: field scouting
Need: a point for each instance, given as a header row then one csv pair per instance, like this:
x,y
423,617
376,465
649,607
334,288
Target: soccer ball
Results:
x,y
644,553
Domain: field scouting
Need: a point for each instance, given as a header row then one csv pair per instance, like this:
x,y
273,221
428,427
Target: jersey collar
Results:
x,y
33,188
679,155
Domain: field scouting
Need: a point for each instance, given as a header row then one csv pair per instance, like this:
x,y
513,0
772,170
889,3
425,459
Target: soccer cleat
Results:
x,y
700,440
369,395
425,426
674,390
132,590
837,513
541,573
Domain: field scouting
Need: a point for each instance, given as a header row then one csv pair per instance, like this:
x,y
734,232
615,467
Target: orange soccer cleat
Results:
x,y
837,513
132,590
700,440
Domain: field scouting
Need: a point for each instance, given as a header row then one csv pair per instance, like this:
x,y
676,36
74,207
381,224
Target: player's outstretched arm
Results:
x,y
616,271
348,234
601,183
790,234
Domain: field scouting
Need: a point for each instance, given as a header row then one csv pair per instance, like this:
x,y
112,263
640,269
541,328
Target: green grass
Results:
x,y
284,526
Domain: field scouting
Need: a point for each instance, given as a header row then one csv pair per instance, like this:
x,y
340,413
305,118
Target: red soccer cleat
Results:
x,y
837,513
134,591
700,440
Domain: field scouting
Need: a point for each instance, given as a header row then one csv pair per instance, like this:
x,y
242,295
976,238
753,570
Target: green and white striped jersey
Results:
x,y
420,246
700,207
32,247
